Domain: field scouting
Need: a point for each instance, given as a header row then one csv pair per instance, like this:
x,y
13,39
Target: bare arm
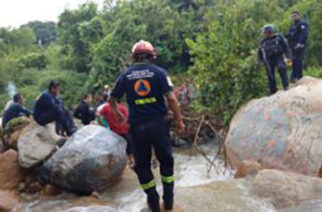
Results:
x,y
174,107
119,115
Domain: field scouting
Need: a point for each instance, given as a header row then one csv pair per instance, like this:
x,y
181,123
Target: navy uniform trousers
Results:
x,y
298,57
276,62
154,133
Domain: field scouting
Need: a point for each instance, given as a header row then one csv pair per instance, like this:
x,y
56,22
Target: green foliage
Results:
x,y
224,55
21,40
72,28
213,42
33,82
314,72
34,60
45,31
15,123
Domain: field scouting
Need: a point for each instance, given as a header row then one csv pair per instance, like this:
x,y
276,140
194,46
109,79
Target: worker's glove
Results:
x,y
288,62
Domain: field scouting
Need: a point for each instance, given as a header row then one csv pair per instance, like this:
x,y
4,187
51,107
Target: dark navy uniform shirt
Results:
x,y
46,102
298,33
84,113
145,86
14,111
274,46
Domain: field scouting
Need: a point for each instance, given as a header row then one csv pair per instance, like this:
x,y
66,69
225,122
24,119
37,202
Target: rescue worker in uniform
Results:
x,y
297,39
271,51
147,86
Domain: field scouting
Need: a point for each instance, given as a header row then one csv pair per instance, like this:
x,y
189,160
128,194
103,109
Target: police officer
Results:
x,y
146,87
271,51
297,38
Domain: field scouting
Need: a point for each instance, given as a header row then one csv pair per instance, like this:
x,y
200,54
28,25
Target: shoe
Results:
x,y
153,200
154,206
168,196
71,131
168,204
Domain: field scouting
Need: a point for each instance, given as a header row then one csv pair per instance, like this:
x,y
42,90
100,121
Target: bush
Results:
x,y
224,55
34,60
72,85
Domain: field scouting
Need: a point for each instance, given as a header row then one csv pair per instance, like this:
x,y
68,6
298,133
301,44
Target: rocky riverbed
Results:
x,y
196,190
274,142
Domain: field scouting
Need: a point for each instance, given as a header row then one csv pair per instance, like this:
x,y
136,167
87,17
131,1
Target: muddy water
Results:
x,y
196,191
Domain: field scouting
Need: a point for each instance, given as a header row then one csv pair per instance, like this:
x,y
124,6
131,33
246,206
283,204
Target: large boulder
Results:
x,y
247,169
36,143
9,200
282,131
93,159
284,189
10,173
233,195
2,148
311,206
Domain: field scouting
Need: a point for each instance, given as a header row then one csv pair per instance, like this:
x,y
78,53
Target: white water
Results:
x,y
11,89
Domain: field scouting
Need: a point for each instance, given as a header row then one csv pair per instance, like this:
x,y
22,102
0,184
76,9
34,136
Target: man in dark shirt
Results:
x,y
146,87
297,38
271,51
84,112
15,110
49,108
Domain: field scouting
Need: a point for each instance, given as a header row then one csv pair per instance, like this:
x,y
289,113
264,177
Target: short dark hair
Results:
x,y
53,84
106,97
296,12
17,97
86,96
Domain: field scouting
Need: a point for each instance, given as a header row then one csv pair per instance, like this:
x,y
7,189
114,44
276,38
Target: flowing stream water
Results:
x,y
196,191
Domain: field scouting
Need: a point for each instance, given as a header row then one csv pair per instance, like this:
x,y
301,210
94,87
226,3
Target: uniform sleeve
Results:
x,y
25,111
285,46
260,53
304,33
46,100
119,89
77,112
166,83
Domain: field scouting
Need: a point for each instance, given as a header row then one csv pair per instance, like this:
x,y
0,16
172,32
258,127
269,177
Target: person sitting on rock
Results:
x,y
84,111
48,108
15,110
108,119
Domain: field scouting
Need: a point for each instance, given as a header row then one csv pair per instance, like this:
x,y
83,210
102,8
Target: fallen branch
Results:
x,y
195,142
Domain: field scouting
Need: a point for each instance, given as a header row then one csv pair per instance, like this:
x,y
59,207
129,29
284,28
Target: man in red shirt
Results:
x,y
122,129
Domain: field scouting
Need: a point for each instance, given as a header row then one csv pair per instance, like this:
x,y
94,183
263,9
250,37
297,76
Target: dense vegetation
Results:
x,y
213,42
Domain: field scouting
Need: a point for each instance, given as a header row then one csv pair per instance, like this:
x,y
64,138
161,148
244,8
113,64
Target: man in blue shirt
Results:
x,y
297,38
84,111
15,110
272,49
146,87
49,108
